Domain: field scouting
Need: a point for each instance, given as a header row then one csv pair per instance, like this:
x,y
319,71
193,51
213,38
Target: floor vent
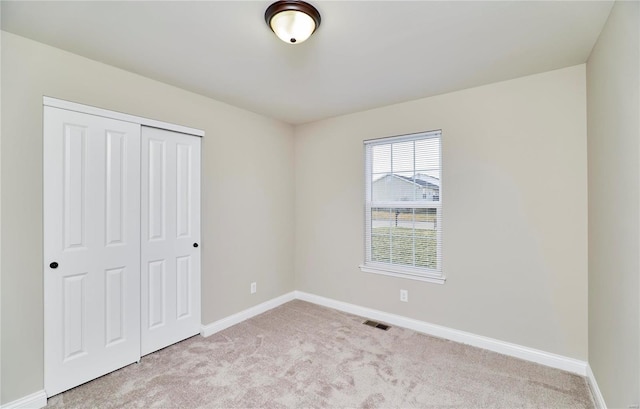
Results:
x,y
377,325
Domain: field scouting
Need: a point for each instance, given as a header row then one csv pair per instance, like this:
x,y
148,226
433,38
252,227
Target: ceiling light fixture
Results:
x,y
292,21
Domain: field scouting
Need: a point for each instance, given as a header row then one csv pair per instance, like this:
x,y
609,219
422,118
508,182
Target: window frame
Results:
x,y
398,270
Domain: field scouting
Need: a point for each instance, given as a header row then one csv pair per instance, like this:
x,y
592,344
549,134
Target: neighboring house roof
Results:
x,y
417,181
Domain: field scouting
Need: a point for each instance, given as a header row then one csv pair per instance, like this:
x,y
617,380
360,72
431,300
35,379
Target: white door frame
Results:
x,y
87,109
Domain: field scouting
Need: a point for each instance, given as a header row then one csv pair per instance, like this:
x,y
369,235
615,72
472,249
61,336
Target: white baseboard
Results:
x,y
595,390
506,348
217,326
36,400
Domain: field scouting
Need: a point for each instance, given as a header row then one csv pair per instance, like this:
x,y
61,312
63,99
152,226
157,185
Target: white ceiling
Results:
x,y
364,55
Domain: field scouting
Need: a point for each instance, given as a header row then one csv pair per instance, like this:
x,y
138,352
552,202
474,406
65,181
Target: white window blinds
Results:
x,y
403,206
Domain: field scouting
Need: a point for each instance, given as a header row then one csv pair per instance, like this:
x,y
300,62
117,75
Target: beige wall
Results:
x,y
245,237
613,72
515,211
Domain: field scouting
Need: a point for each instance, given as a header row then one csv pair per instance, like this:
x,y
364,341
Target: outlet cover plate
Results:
x,y
404,295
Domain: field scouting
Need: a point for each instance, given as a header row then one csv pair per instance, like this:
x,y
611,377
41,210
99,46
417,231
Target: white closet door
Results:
x,y
91,247
170,223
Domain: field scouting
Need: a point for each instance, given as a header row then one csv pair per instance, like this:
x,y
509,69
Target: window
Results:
x,y
403,208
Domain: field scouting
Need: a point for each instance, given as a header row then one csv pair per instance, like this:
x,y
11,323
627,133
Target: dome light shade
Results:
x,y
292,21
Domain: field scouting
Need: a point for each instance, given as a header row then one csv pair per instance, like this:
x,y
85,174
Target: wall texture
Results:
x,y
515,211
247,192
613,87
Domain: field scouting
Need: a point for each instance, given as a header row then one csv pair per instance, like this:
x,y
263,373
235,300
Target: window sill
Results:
x,y
402,273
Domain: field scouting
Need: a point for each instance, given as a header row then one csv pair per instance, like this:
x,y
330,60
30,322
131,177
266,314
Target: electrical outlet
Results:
x,y
404,295
254,287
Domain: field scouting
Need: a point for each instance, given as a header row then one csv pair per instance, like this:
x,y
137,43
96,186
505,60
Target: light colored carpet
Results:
x,y
300,355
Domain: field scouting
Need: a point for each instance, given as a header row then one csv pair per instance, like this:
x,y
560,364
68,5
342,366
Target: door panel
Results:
x,y
184,298
74,325
74,165
92,230
183,190
114,312
116,196
157,290
171,225
156,187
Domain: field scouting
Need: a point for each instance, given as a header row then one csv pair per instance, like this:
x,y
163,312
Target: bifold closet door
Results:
x,y
91,243
170,220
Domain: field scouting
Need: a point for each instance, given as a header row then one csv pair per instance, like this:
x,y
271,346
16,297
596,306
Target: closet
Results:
x,y
121,239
